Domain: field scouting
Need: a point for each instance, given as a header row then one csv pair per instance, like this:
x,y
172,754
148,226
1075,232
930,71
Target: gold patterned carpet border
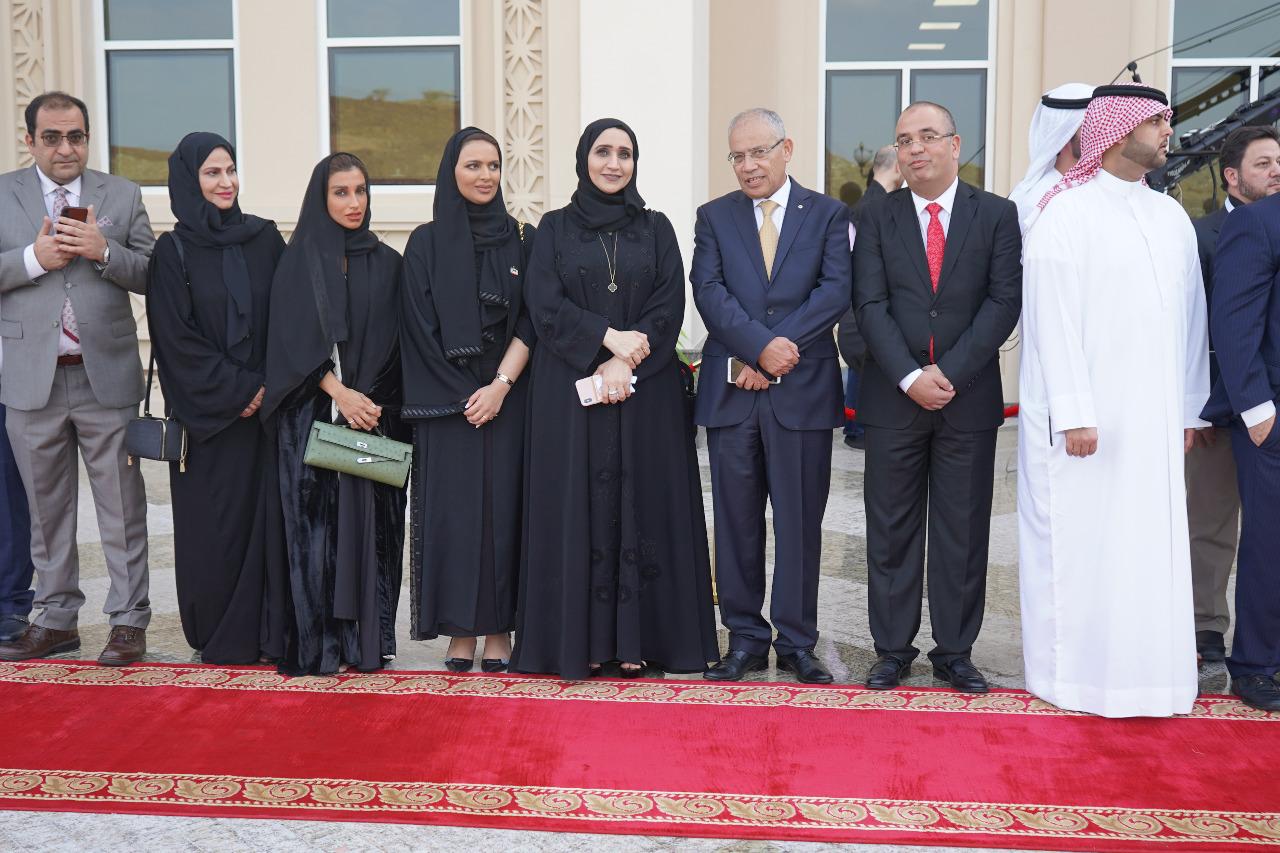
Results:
x,y
407,683
109,790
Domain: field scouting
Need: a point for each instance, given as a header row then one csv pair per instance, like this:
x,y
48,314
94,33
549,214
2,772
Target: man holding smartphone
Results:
x,y
770,276
73,244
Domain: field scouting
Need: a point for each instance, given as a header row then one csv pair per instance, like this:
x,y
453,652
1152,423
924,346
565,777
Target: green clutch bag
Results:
x,y
358,454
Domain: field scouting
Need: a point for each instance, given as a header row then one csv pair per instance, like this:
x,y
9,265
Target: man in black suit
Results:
x,y
885,178
1249,167
937,291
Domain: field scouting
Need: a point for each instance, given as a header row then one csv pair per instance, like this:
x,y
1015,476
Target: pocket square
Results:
x,y
104,222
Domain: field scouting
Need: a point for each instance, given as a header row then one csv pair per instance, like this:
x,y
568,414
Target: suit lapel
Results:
x,y
29,193
92,192
957,230
908,227
797,209
744,216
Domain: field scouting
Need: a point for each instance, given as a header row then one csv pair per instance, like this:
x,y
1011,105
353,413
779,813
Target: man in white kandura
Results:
x,y
1114,374
1053,144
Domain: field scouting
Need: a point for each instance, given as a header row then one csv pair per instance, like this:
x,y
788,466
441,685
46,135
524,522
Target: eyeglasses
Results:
x,y
53,139
928,139
737,158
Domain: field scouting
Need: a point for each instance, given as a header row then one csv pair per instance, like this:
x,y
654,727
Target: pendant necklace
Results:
x,y
611,262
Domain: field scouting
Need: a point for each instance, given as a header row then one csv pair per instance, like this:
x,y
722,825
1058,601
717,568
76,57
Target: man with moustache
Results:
x,y
937,291
1114,374
1249,168
72,376
770,278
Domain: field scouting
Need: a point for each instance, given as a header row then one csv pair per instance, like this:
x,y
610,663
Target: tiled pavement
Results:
x,y
845,645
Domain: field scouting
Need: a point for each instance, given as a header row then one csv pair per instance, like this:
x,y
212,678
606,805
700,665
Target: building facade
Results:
x,y
288,81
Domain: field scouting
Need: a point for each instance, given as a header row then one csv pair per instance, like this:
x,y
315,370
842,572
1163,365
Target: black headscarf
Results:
x,y
459,229
199,223
310,313
592,208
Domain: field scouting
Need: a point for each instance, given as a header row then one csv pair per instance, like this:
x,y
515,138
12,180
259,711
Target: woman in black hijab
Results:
x,y
615,564
333,355
207,310
466,339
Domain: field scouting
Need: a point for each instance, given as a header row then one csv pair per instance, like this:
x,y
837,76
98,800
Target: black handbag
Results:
x,y
161,439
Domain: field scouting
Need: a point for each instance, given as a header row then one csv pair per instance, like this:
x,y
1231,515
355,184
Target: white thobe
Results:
x,y
1114,337
1028,200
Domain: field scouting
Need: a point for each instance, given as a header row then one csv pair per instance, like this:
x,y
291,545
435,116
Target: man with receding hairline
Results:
x,y
770,278
937,290
72,376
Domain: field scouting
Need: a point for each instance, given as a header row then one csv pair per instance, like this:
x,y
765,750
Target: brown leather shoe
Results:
x,y
126,645
40,642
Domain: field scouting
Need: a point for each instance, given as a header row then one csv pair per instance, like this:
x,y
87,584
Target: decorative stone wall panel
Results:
x,y
524,108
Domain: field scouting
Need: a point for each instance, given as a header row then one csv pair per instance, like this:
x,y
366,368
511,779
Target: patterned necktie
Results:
x,y
768,235
936,244
69,327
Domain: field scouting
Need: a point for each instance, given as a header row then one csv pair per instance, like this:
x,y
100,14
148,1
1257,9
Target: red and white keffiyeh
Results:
x,y
1112,115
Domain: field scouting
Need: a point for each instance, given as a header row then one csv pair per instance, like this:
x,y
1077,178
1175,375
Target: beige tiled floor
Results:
x,y
845,645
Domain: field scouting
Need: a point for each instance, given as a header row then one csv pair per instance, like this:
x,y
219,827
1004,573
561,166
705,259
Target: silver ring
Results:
x,y
613,392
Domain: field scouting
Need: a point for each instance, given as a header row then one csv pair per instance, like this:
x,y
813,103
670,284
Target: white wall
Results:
x,y
646,63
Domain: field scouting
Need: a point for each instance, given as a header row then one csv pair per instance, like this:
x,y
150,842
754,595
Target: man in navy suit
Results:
x,y
938,288
1249,168
771,276
16,568
1244,324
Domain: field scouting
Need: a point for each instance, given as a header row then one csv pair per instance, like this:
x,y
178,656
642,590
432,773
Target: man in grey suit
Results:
x,y
72,376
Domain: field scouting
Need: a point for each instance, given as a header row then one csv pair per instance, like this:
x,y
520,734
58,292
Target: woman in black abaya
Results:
x,y
207,311
465,343
615,563
333,355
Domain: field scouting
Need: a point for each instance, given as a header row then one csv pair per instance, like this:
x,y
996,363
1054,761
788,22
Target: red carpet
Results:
x,y
657,757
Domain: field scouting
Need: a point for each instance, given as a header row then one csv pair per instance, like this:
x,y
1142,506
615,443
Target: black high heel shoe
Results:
x,y
458,664
494,664
637,672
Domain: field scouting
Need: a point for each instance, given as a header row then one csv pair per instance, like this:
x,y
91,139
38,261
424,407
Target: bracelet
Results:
x,y
502,377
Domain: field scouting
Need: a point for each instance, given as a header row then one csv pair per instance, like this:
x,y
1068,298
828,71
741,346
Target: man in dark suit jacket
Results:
x,y
1249,167
770,278
885,178
937,290
1244,321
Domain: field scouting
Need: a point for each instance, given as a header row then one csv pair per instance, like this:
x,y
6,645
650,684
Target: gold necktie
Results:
x,y
768,235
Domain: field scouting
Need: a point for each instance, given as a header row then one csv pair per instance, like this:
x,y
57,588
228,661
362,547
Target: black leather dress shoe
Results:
x,y
962,675
735,665
1210,646
1257,691
887,673
11,627
806,665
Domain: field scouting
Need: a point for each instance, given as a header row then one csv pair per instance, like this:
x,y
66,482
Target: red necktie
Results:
x,y
935,245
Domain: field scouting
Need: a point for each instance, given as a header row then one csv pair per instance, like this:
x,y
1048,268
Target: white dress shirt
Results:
x,y
782,196
48,187
947,201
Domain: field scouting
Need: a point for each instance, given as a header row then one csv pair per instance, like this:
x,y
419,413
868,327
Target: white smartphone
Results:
x,y
591,389
735,366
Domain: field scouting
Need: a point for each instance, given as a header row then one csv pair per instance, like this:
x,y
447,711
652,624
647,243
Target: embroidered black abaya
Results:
x,y
208,321
615,563
463,305
337,292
